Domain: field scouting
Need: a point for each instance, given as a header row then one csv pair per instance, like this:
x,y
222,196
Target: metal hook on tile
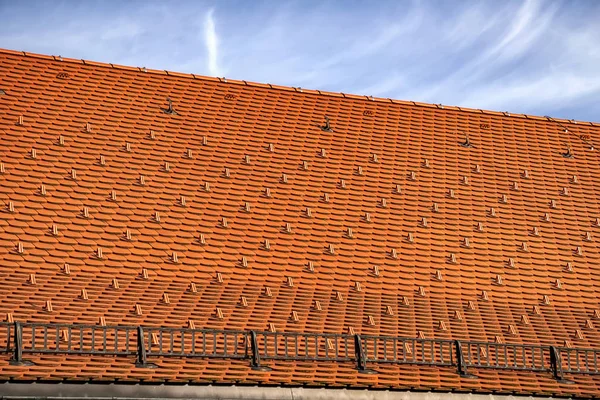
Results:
x,y
327,126
467,142
169,109
569,153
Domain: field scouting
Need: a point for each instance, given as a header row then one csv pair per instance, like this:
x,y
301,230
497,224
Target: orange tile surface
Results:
x,y
246,185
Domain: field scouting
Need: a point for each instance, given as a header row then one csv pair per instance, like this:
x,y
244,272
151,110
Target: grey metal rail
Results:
x,y
205,343
579,361
523,357
77,339
6,333
305,346
18,339
397,350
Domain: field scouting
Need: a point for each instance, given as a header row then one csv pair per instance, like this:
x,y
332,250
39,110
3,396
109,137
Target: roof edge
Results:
x,y
291,88
105,391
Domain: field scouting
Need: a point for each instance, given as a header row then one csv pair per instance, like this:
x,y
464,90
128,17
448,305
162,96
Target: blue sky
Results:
x,y
534,57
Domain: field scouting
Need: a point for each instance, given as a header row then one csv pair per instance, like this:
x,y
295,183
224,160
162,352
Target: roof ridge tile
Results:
x,y
289,88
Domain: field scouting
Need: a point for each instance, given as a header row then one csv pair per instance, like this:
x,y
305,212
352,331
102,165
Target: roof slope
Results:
x,y
493,242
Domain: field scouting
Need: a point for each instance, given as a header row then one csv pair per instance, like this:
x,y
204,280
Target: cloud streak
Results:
x,y
211,40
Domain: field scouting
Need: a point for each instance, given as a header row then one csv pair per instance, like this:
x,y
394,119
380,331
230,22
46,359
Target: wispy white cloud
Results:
x,y
551,90
514,36
383,87
528,24
211,40
121,30
468,27
564,77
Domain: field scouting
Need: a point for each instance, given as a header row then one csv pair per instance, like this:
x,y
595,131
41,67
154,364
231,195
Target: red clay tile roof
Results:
x,y
238,211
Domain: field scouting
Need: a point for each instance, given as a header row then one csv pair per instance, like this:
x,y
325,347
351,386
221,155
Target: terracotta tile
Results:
x,y
401,162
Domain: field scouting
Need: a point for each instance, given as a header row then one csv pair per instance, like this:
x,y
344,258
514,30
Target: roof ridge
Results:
x,y
296,89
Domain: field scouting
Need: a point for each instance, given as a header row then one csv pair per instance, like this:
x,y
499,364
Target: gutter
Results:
x,y
94,391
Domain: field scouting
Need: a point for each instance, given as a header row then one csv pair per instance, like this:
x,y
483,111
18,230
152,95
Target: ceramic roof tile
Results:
x,y
204,209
